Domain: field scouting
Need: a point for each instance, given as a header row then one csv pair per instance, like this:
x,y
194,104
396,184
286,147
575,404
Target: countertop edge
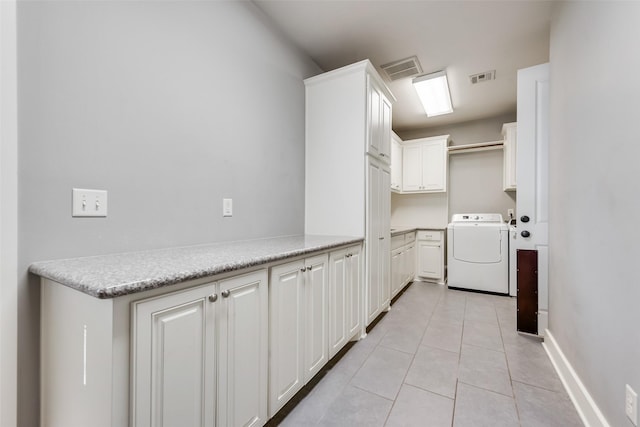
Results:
x,y
44,270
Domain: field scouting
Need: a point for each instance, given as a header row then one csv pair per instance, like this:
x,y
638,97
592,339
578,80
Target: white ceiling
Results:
x,y
463,37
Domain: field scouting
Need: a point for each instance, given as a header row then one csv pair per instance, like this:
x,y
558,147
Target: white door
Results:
x,y
373,146
384,238
532,171
286,324
243,352
315,315
338,299
433,166
385,129
429,260
397,270
373,296
411,168
173,360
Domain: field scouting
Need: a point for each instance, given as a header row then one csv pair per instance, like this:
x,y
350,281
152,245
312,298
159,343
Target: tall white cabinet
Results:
x,y
347,185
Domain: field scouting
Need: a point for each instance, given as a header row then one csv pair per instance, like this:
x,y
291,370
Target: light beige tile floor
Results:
x,y
441,358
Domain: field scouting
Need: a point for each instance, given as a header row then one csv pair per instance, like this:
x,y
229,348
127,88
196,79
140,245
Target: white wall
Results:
x,y
594,285
8,214
475,179
170,106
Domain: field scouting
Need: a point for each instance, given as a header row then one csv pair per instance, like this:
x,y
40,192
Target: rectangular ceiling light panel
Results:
x,y
433,91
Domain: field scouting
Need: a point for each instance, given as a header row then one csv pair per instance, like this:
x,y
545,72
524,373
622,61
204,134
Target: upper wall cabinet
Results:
x,y
396,163
509,134
424,165
379,117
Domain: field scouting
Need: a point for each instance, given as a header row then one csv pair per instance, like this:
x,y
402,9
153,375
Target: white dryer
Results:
x,y
478,253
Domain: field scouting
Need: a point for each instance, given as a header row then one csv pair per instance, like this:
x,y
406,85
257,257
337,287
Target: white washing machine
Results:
x,y
478,253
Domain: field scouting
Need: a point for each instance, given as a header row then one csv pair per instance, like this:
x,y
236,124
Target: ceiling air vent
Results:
x,y
403,68
482,77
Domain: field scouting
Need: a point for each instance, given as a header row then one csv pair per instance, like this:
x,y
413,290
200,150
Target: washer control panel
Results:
x,y
477,217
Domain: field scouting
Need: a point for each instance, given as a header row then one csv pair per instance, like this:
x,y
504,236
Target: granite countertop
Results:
x,y
397,230
109,276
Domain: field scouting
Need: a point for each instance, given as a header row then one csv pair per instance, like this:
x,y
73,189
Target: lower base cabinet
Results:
x,y
200,346
403,261
345,287
298,327
431,255
228,351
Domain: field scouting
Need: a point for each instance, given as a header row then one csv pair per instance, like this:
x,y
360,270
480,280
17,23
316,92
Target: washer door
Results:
x,y
482,245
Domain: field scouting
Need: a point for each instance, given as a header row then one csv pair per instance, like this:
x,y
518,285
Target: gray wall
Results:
x,y
594,286
170,106
475,179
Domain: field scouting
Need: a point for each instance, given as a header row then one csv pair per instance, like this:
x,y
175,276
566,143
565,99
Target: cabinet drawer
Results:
x,y
397,241
409,238
431,235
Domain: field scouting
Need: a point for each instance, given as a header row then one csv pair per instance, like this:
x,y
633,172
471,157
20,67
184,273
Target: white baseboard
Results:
x,y
584,403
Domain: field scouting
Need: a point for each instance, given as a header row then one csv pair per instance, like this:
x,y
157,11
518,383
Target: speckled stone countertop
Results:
x,y
396,231
109,276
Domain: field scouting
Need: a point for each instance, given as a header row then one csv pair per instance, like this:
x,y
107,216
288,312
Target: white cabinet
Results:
x,y
402,261
431,255
345,284
347,178
424,165
509,134
298,326
379,118
193,348
396,163
378,235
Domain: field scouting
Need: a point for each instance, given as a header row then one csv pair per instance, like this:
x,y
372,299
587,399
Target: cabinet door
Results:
x,y
384,232
509,132
243,352
385,129
338,298
410,262
412,168
433,166
315,315
173,368
396,165
429,260
397,272
373,128
286,337
372,269
354,291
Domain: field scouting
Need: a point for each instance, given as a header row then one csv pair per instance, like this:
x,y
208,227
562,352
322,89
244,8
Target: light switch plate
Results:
x,y
88,203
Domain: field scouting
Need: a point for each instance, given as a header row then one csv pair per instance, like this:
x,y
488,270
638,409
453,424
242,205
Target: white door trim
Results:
x,y
8,214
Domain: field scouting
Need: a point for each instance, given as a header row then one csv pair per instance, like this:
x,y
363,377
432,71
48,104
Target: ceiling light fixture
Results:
x,y
433,91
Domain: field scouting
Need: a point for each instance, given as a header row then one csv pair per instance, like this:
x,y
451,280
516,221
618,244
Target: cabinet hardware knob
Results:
x,y
303,269
225,294
525,233
309,268
213,297
524,218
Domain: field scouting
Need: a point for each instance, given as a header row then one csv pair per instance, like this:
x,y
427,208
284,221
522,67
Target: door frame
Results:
x,y
8,214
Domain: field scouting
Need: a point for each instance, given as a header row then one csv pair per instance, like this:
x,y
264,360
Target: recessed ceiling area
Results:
x,y
461,37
